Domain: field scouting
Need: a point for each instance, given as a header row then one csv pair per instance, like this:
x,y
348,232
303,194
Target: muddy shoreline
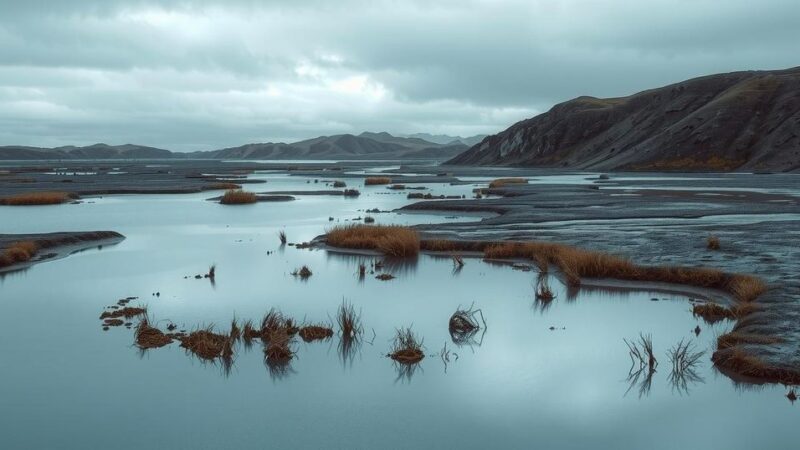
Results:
x,y
54,246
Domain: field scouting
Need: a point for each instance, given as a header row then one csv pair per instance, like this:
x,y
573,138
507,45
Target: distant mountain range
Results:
x,y
343,146
445,139
734,121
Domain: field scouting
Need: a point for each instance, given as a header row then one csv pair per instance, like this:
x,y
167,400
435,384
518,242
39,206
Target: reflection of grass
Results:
x,y
238,197
390,240
35,198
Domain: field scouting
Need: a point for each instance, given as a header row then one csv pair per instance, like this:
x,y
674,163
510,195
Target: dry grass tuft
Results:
x,y
303,272
372,181
274,322
147,336
712,243
208,345
390,240
18,252
238,197
36,198
712,312
407,348
743,363
315,332
502,182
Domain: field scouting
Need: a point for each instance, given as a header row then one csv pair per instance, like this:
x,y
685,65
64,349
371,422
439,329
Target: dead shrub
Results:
x,y
315,332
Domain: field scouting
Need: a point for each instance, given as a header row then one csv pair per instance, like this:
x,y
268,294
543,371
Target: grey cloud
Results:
x,y
209,73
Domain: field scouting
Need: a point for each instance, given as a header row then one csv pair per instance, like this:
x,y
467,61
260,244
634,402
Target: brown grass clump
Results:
x,y
303,272
238,197
407,348
712,312
147,336
372,181
278,350
712,243
740,362
274,322
126,312
502,182
18,252
391,240
735,338
221,186
315,332
543,291
35,198
208,345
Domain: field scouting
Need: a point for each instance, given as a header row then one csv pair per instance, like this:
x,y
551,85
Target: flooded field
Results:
x,y
536,374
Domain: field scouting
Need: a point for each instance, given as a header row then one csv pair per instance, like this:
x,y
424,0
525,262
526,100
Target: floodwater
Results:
x,y
68,384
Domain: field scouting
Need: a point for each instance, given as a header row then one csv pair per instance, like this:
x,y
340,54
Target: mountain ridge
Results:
x,y
733,121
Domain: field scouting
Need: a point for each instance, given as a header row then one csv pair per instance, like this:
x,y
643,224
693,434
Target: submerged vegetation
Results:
x,y
36,198
238,197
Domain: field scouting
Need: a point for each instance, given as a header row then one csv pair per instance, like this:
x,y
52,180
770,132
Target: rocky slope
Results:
x,y
746,121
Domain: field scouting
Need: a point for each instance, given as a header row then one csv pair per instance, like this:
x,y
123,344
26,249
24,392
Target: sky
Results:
x,y
206,74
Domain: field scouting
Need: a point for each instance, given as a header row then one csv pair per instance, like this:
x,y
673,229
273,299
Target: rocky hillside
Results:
x,y
747,121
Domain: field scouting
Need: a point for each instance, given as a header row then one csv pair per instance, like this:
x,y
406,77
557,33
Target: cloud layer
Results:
x,y
206,74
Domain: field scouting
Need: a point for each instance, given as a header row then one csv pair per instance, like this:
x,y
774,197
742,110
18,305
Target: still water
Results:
x,y
68,384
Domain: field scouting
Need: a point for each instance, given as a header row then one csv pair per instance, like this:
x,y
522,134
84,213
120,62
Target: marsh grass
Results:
x,y
147,336
543,291
349,321
36,198
18,252
304,273
407,348
372,181
238,197
391,240
311,333
502,182
208,345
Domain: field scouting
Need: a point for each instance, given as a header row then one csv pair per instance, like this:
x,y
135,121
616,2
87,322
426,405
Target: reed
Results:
x,y
238,197
36,198
406,347
372,181
390,240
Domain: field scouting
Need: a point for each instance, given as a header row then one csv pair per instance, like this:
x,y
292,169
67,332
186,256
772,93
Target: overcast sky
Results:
x,y
203,74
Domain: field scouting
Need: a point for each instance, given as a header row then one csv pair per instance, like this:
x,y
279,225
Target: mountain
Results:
x,y
734,121
96,151
444,139
342,146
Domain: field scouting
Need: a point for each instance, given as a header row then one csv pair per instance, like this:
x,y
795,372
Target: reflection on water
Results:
x,y
542,375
